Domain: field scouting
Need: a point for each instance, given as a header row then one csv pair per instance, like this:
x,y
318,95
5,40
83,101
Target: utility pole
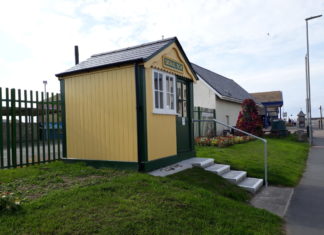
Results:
x,y
321,120
309,113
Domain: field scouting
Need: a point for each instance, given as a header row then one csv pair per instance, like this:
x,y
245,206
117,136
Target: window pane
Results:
x,y
156,98
179,111
161,100
184,109
155,83
171,85
179,90
168,105
184,90
172,101
167,84
160,82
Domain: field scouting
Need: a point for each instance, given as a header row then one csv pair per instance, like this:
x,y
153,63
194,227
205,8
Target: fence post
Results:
x,y
47,128
1,125
32,126
53,125
8,129
26,128
58,108
13,128
215,124
199,118
62,85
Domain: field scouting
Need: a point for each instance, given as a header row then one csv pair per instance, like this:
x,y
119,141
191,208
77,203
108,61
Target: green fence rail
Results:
x,y
31,129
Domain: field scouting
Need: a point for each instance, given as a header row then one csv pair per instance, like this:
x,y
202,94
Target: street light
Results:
x,y
308,91
45,83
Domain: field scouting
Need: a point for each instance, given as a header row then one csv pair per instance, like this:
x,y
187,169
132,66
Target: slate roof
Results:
x,y
139,53
268,97
226,87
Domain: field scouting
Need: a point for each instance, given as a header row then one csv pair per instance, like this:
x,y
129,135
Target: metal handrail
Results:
x,y
249,134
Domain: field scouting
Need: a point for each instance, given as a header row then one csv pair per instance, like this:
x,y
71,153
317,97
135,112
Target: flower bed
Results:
x,y
222,141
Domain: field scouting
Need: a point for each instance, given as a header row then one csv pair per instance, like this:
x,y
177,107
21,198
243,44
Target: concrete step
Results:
x,y
204,163
251,184
235,176
218,169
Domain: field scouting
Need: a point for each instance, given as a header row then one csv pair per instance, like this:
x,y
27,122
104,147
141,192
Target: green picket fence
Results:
x,y
204,128
31,129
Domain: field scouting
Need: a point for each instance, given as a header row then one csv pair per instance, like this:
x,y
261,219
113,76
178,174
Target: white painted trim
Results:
x,y
165,110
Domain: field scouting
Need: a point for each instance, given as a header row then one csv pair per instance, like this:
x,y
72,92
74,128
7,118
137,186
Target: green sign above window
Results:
x,y
169,63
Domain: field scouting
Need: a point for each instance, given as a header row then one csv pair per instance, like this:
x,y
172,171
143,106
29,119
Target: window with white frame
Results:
x,y
164,92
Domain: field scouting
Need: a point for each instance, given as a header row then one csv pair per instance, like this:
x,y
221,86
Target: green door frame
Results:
x,y
189,84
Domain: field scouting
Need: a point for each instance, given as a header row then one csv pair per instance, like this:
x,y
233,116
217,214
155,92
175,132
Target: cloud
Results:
x,y
260,44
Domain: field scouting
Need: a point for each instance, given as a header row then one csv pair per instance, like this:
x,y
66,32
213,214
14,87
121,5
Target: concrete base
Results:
x,y
273,199
251,184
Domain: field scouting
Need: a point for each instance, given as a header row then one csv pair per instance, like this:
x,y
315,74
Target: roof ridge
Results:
x,y
266,92
212,71
133,47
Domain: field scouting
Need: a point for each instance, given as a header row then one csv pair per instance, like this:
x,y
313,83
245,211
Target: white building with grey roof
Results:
x,y
214,91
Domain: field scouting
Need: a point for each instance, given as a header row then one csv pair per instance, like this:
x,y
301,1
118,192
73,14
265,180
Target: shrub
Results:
x,y
248,119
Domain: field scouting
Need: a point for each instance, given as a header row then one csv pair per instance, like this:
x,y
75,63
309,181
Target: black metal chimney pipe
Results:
x,y
76,54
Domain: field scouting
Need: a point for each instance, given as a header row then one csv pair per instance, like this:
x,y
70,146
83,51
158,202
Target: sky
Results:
x,y
260,44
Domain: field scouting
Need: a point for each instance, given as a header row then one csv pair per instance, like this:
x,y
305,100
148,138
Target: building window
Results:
x,y
163,92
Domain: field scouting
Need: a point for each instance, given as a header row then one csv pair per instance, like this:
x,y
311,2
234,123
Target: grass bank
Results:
x,y
75,199
286,159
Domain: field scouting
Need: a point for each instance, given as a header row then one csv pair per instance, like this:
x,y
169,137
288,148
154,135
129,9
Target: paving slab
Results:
x,y
177,167
273,199
305,214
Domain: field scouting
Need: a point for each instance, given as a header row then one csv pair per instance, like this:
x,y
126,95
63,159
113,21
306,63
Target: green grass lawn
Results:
x,y
75,199
286,159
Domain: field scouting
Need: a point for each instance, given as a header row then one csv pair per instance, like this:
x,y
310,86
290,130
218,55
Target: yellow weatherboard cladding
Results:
x,y
101,115
161,128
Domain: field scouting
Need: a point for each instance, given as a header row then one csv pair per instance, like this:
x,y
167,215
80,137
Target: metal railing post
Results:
x,y
265,162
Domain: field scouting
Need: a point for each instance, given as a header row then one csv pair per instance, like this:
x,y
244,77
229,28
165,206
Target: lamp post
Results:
x,y
321,120
45,83
308,90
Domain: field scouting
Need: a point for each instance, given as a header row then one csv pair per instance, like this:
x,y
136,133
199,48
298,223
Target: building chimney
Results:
x,y
76,54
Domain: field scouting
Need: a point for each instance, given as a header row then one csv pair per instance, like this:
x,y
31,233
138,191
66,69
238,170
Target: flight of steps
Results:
x,y
237,177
